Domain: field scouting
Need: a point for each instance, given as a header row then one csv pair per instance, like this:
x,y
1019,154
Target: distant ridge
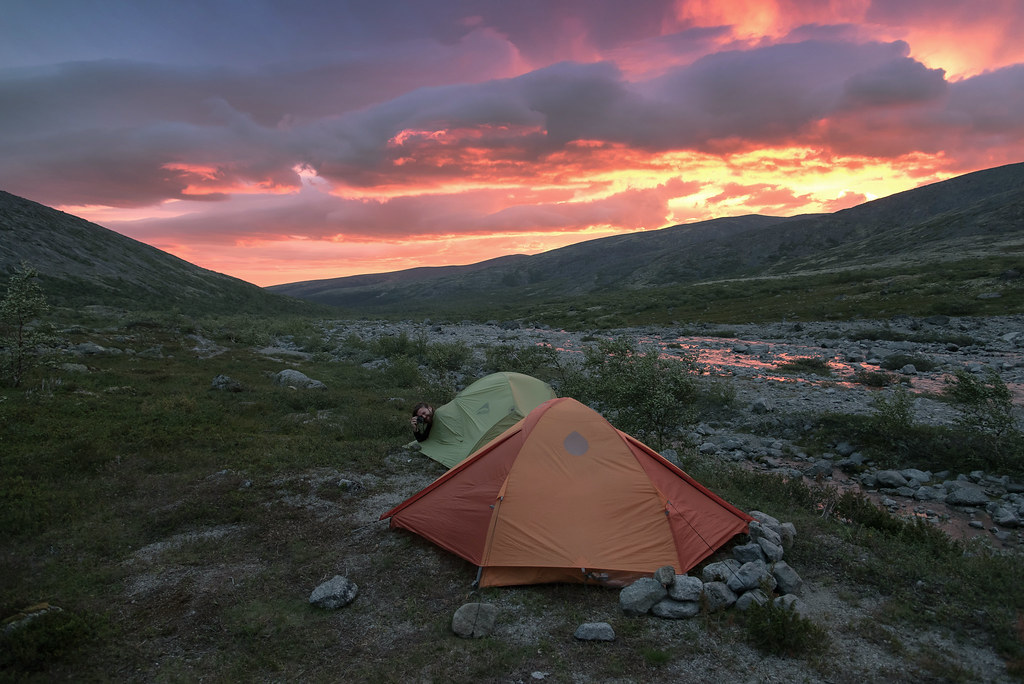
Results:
x,y
979,212
81,263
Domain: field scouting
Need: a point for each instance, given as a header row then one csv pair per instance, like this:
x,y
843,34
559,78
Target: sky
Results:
x,y
280,142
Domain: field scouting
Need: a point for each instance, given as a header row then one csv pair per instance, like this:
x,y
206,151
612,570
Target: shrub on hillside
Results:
x,y
22,338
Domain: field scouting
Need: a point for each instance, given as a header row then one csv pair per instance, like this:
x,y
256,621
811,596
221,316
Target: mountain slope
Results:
x,y
81,263
981,212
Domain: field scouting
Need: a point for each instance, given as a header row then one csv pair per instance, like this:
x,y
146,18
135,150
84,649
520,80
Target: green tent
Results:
x,y
480,413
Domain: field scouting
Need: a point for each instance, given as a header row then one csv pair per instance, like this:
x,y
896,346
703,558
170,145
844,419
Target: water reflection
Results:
x,y
731,356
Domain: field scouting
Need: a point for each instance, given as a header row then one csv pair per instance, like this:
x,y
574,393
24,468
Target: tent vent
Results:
x,y
576,444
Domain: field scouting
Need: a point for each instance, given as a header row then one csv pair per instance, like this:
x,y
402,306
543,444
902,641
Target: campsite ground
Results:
x,y
181,529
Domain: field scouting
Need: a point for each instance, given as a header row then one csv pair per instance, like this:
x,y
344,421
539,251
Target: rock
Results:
x,y
772,552
226,384
766,520
751,597
788,533
965,493
640,596
1004,516
890,478
293,378
595,631
676,610
336,592
686,588
789,582
474,620
718,596
665,575
751,576
759,531
748,552
792,602
720,571
820,468
761,405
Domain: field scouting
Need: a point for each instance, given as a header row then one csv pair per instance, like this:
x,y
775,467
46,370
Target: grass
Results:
x,y
181,529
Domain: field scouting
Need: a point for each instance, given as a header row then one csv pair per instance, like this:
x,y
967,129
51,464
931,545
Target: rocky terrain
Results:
x,y
750,355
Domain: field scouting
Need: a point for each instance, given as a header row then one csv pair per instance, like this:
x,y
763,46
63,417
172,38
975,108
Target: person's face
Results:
x,y
424,412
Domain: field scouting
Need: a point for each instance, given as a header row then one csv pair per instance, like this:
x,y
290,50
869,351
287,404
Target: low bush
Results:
x,y
810,365
777,629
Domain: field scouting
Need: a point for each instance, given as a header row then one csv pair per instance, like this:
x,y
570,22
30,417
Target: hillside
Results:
x,y
81,263
979,214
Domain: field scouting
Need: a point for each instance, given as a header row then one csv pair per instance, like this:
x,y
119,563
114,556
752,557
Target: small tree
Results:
x,y
986,404
644,393
986,407
19,338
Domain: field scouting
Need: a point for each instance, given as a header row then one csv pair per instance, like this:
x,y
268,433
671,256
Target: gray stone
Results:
x,y
748,552
1004,516
792,602
914,474
766,520
640,596
720,571
751,576
686,588
226,384
789,582
965,493
759,531
788,533
718,596
293,378
595,631
474,620
665,575
675,610
772,552
890,478
336,592
751,597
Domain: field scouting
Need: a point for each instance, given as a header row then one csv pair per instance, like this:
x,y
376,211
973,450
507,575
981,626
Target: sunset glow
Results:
x,y
348,139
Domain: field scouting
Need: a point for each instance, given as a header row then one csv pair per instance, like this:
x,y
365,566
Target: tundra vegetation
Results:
x,y
180,529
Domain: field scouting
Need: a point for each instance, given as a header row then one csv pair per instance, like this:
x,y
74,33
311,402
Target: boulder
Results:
x,y
718,596
640,596
293,378
334,593
789,582
686,588
751,576
890,478
720,571
595,631
965,493
751,597
474,620
676,610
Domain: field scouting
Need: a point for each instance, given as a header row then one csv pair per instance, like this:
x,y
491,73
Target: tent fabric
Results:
x,y
562,496
481,412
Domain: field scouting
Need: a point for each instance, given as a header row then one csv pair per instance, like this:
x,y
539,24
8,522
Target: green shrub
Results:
x,y
21,335
874,378
806,365
449,356
642,393
392,346
777,629
539,361
53,636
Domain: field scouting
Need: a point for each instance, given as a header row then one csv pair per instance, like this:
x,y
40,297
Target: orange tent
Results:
x,y
562,496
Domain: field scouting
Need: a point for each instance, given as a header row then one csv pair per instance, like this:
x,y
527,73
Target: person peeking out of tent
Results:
x,y
422,419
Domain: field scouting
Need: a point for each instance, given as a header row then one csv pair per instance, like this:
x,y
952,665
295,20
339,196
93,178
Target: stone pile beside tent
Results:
x,y
756,573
